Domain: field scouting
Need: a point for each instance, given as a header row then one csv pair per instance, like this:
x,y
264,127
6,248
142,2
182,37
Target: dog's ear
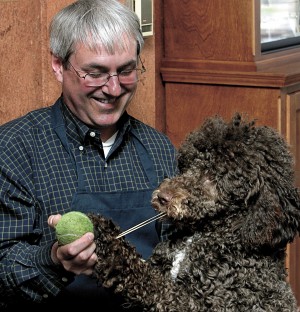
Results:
x,y
273,219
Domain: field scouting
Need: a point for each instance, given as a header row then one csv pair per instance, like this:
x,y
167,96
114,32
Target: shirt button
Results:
x,y
81,148
45,296
92,134
64,279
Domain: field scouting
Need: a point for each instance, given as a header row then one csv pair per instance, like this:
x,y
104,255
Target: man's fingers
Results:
x,y
53,220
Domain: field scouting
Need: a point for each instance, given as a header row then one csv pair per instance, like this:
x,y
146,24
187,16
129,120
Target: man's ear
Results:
x,y
57,67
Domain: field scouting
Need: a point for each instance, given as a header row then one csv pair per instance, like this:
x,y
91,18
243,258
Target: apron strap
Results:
x,y
146,161
59,126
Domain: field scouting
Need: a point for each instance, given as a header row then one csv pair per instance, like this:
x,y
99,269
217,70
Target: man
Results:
x,y
84,153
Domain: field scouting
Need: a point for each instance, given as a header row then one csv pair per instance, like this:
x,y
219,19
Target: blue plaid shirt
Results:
x,y
38,178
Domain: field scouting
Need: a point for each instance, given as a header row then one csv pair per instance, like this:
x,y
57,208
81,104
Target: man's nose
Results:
x,y
113,85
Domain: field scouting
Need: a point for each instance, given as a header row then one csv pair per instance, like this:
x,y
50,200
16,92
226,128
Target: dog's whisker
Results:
x,y
159,216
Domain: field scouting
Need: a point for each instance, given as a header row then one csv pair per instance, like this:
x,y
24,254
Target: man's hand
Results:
x,y
79,256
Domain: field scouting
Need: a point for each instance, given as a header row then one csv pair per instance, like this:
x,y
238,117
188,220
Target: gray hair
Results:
x,y
94,23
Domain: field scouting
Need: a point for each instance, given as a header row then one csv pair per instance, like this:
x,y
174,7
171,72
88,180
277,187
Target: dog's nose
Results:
x,y
163,198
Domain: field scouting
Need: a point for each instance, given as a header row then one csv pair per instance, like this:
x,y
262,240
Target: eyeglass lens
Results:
x,y
126,77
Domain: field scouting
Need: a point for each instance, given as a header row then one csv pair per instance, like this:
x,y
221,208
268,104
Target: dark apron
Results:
x,y
126,209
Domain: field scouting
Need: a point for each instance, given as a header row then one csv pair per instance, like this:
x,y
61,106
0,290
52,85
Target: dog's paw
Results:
x,y
105,232
104,227
115,256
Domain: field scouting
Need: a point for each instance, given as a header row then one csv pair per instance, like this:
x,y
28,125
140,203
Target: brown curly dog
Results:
x,y
234,208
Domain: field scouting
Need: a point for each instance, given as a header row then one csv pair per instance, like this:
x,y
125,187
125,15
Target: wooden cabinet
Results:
x,y
213,65
293,136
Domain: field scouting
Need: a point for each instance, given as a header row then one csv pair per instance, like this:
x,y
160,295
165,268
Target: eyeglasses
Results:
x,y
126,77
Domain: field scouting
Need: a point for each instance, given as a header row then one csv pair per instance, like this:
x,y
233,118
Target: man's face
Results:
x,y
98,107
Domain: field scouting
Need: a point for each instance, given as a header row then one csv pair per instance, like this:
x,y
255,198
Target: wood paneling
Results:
x,y
20,57
143,103
189,104
293,137
210,30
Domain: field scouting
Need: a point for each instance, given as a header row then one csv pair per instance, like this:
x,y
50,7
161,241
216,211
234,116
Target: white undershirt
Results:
x,y
108,144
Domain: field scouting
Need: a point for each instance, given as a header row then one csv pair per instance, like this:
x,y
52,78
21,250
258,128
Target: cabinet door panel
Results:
x,y
188,105
293,137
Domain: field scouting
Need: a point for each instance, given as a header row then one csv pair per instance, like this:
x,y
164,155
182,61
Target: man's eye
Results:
x,y
97,75
126,72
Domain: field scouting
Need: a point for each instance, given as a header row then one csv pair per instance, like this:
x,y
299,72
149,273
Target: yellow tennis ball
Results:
x,y
72,226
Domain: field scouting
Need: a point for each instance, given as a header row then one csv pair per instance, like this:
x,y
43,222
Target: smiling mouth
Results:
x,y
105,101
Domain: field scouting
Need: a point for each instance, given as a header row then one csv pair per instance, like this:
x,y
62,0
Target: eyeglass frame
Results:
x,y
109,75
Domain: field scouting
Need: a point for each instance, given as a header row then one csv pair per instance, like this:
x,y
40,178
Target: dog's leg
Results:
x,y
122,269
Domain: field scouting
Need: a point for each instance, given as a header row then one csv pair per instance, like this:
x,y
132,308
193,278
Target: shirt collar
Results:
x,y
79,132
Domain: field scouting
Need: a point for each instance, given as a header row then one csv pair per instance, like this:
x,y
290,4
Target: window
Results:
x,y
279,24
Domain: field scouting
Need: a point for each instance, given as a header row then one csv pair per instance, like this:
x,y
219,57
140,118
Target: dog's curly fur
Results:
x,y
235,208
